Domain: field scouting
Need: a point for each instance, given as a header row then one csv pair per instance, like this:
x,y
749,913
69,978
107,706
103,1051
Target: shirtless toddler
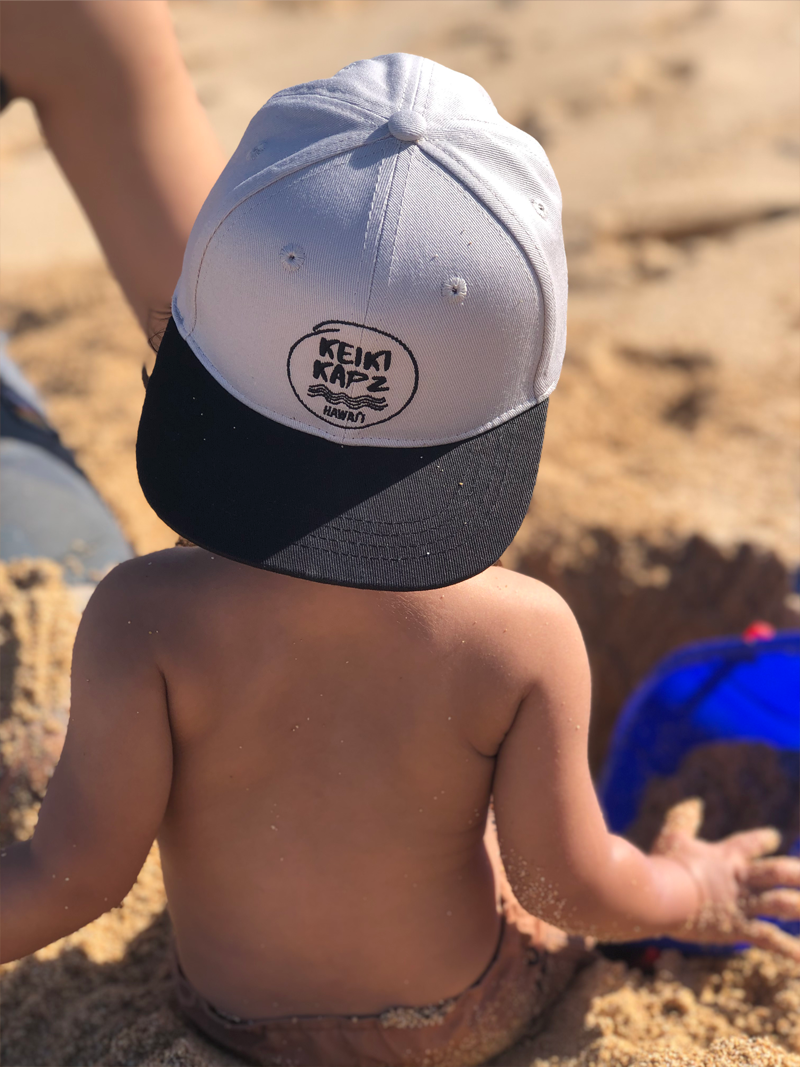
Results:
x,y
312,711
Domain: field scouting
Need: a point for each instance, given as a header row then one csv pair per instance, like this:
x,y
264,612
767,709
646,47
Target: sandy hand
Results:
x,y
735,882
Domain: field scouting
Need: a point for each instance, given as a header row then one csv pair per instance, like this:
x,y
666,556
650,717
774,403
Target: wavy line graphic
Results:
x,y
353,402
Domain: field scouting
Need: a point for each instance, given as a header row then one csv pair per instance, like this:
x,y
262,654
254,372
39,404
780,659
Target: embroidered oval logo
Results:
x,y
352,376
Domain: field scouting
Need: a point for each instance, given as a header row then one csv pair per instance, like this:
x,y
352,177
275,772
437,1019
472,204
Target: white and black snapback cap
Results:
x,y
370,318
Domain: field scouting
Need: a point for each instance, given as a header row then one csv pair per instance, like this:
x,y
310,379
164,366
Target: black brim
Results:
x,y
237,483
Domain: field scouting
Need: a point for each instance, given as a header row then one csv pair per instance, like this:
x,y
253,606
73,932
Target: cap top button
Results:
x,y
407,125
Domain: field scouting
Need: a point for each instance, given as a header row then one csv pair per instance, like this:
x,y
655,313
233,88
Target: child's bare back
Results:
x,y
322,760
333,753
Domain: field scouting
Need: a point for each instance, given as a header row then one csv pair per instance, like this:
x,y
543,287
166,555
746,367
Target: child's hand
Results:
x,y
735,883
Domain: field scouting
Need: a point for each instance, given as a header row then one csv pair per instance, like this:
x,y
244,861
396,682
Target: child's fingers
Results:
x,y
780,870
754,843
684,819
765,935
777,903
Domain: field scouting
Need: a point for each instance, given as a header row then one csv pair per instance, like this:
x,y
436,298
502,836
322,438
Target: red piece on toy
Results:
x,y
759,631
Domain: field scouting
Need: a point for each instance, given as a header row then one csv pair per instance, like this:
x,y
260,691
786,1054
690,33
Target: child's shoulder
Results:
x,y
145,585
515,596
511,616
143,574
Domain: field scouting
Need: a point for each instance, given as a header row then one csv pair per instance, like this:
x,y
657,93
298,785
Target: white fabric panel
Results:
x,y
447,252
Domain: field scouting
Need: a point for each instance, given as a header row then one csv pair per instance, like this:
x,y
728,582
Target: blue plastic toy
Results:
x,y
730,689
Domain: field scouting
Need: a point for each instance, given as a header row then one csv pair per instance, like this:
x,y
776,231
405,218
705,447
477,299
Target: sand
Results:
x,y
665,509
38,621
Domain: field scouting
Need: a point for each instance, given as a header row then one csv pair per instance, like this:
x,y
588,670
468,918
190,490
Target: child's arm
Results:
x,y
563,864
109,791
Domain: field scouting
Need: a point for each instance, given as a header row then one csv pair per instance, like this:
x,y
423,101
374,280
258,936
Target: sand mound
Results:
x,y
695,1012
38,621
640,596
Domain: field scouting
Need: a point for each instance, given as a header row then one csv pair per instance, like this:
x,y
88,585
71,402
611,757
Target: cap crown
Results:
x,y
381,261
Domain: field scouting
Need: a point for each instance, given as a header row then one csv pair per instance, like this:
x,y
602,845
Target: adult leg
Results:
x,y
49,507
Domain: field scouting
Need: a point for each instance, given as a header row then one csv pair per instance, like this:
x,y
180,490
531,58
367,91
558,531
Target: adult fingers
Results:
x,y
780,870
777,903
753,843
765,935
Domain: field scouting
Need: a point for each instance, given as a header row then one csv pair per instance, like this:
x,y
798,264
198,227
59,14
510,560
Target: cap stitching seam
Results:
x,y
434,166
404,95
356,525
410,157
493,193
378,243
417,84
244,199
372,207
349,524
488,501
500,228
344,98
427,69
547,351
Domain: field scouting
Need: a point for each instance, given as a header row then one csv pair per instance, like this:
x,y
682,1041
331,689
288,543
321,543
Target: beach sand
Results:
x,y
665,509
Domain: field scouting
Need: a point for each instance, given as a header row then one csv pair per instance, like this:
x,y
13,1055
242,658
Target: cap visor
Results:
x,y
237,483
